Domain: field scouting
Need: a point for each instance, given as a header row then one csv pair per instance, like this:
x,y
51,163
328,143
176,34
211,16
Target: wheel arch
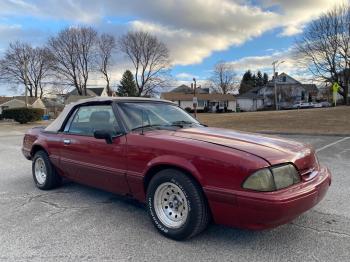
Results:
x,y
175,162
36,148
152,171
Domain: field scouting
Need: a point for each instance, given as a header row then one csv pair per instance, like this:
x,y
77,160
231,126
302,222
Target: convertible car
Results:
x,y
186,173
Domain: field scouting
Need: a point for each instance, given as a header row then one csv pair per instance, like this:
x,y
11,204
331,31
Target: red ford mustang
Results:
x,y
185,172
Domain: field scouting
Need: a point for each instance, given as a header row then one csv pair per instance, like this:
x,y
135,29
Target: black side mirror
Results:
x,y
104,134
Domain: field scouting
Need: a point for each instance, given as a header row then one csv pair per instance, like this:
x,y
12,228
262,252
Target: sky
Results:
x,y
248,34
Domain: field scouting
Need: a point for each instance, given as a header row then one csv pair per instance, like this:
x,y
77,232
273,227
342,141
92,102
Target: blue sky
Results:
x,y
199,33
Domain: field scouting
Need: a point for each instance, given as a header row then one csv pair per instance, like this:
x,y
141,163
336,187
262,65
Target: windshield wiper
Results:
x,y
145,126
181,123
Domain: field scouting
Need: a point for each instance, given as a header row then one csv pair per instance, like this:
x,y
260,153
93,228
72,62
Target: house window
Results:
x,y
284,79
201,103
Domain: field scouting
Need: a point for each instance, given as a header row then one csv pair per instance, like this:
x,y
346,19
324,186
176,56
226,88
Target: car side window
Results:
x,y
88,119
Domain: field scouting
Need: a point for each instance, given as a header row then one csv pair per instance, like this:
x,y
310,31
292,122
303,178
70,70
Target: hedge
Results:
x,y
23,115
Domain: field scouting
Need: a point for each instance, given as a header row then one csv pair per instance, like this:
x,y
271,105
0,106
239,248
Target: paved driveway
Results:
x,y
78,223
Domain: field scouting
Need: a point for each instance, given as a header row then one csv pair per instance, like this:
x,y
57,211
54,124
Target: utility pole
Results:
x,y
195,98
275,64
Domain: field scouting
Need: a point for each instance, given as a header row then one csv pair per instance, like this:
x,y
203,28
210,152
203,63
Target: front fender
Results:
x,y
175,161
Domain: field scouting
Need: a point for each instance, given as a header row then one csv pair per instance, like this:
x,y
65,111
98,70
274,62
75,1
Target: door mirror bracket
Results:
x,y
106,135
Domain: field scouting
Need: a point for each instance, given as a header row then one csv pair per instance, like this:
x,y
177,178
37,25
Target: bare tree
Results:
x,y
325,48
26,65
59,89
74,54
223,78
150,58
106,46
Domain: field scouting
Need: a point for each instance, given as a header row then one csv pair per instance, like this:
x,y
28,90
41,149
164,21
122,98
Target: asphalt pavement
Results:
x,y
79,223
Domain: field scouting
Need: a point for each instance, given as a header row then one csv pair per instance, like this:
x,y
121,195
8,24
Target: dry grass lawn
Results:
x,y
308,121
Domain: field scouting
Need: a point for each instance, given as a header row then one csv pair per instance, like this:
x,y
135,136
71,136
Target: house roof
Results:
x,y
89,92
182,89
188,90
310,87
31,100
189,97
5,99
97,90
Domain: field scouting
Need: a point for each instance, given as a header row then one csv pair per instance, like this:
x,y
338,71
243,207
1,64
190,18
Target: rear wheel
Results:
x,y
176,205
44,174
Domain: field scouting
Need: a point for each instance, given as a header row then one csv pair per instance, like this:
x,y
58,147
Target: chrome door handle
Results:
x,y
66,141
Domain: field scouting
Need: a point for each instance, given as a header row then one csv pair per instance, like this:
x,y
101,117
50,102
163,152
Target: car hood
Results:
x,y
274,150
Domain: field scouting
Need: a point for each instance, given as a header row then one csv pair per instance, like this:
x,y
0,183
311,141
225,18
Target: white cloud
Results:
x,y
263,63
186,76
193,29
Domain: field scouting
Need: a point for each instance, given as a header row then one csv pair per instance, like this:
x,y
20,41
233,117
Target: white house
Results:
x,y
206,101
19,101
250,102
289,91
74,96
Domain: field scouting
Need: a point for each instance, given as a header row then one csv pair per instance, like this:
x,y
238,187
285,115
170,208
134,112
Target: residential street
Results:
x,y
78,223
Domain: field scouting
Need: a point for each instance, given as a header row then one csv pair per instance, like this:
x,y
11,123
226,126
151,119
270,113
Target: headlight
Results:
x,y
261,180
271,179
285,176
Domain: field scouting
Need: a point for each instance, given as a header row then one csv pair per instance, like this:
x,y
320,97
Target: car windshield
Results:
x,y
157,115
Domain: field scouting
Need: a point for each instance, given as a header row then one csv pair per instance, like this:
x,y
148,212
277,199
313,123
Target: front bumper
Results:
x,y
259,210
26,153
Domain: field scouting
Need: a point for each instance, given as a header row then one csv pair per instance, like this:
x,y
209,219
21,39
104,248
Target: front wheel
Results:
x,y
176,205
44,173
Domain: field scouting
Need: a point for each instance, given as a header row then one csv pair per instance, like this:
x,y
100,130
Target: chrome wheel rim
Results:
x,y
170,204
40,171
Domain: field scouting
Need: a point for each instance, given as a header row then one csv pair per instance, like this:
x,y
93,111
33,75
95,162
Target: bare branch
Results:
x,y
325,48
223,78
106,46
26,65
150,58
73,51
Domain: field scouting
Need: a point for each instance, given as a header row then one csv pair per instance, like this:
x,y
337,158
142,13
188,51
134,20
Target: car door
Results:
x,y
92,161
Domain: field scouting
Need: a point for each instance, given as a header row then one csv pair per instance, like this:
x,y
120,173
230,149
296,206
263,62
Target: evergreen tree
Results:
x,y
247,82
254,78
127,85
247,76
265,78
259,79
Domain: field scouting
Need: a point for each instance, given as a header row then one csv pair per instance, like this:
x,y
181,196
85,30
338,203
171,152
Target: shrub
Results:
x,y
23,115
1,117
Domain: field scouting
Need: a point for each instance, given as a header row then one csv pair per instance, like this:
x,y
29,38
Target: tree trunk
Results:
x,y
30,92
109,93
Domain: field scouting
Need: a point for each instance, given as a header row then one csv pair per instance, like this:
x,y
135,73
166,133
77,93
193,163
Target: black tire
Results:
x,y
52,180
198,212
